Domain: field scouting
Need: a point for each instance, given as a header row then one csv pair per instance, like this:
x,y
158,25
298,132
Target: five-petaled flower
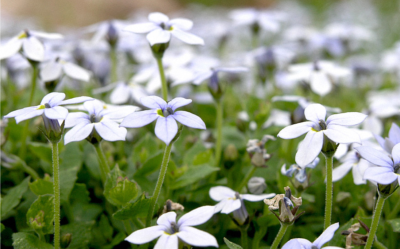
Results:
x,y
317,128
166,115
160,28
168,230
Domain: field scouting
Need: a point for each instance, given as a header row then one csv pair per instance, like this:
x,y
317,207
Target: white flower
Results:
x,y
160,28
326,236
231,201
49,106
316,128
298,172
268,20
29,42
102,119
169,231
352,161
320,75
54,69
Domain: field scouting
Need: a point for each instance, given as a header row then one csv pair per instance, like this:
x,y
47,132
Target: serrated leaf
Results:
x,y
150,165
81,234
13,197
395,223
40,215
41,150
29,241
138,209
192,175
105,227
123,192
41,186
232,245
70,164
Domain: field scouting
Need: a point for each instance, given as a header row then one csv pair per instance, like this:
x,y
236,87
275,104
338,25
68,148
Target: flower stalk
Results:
x,y
104,168
218,144
280,235
56,188
375,221
329,192
162,76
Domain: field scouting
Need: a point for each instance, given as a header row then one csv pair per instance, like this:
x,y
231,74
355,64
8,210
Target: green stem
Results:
x,y
246,178
104,168
280,235
113,55
56,186
329,192
244,237
394,211
157,190
128,227
162,76
218,144
375,222
138,223
379,245
25,131
30,171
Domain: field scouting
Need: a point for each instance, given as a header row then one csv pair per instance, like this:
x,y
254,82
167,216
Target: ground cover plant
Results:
x,y
229,128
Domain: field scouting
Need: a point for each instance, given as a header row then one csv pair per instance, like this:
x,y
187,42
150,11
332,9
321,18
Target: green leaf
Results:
x,y
395,223
116,240
28,241
123,192
138,209
144,148
150,165
190,154
91,161
81,208
41,150
192,175
231,135
42,186
232,245
81,234
71,162
13,197
105,227
40,215
2,227
205,157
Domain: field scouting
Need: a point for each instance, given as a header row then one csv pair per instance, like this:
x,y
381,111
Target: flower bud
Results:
x,y
387,190
159,49
231,153
172,206
329,147
256,185
53,131
66,240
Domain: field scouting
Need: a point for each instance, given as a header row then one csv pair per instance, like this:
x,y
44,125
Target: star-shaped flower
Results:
x,y
169,231
160,28
166,115
54,69
317,127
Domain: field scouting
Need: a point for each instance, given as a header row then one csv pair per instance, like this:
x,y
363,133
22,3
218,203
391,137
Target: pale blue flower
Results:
x,y
54,69
298,172
169,231
166,116
389,142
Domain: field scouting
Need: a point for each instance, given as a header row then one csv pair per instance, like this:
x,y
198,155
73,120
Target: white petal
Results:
x,y
139,119
158,36
119,112
76,118
295,130
373,124
187,37
120,94
76,100
309,148
78,133
320,84
202,77
28,115
94,107
166,129
21,112
167,241
10,48
339,172
375,157
382,175
196,217
196,237
33,48
166,219
326,236
396,154
359,171
230,206
181,23
394,133
51,71
141,27
158,17
50,36
178,102
254,198
76,72
189,119
220,193
154,102
315,112
340,134
53,99
57,112
145,235
346,119
298,244
110,131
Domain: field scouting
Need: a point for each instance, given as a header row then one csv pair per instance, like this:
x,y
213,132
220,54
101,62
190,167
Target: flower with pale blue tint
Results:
x,y
102,120
298,172
389,142
389,165
166,116
54,69
231,201
352,161
27,40
50,107
326,236
317,128
160,28
169,232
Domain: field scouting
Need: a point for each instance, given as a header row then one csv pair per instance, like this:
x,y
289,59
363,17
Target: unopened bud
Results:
x,y
66,240
231,153
256,185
